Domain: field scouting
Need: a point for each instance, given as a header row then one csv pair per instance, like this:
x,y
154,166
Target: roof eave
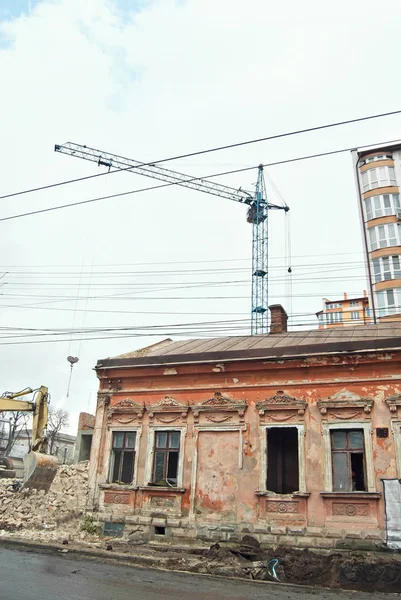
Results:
x,y
283,353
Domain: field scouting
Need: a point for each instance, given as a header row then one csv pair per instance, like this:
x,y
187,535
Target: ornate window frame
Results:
x,y
366,426
219,403
151,450
108,449
168,410
285,406
218,427
125,412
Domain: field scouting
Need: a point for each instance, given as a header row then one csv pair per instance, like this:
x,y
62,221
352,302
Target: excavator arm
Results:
x,y
39,468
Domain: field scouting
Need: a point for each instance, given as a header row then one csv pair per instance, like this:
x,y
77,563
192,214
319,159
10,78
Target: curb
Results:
x,y
155,562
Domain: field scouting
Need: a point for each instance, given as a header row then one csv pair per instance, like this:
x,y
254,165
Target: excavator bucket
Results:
x,y
39,470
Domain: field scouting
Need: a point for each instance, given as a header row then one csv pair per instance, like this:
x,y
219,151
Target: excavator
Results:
x,y
40,468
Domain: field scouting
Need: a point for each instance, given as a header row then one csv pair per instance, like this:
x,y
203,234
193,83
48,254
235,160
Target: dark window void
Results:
x,y
348,458
282,460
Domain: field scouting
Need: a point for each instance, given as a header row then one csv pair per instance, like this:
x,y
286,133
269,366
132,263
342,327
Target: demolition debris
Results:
x,y
32,514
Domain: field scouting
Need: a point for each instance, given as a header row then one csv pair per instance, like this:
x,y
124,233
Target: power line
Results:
x,y
183,262
209,150
164,185
296,335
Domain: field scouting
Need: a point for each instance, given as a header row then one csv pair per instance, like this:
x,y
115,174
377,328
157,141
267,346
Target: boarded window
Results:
x,y
282,460
348,460
167,450
123,457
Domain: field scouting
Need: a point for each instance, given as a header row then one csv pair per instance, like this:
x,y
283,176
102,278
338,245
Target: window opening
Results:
x,y
282,460
123,457
348,460
160,530
167,450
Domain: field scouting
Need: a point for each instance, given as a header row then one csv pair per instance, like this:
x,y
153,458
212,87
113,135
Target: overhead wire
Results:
x,y
181,182
210,150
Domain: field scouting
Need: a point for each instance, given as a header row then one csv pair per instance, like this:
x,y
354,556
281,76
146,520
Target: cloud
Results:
x,y
154,79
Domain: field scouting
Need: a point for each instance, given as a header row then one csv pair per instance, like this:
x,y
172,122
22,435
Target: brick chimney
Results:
x,y
279,319
345,296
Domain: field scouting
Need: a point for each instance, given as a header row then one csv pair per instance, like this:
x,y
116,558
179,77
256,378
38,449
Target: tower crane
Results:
x,y
257,215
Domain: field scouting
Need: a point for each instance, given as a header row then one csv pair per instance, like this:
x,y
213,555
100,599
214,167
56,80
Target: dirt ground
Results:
x,y
59,518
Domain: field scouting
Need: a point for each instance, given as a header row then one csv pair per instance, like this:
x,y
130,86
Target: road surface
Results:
x,y
33,576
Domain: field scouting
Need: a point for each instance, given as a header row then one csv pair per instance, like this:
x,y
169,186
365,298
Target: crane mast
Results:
x,y
258,208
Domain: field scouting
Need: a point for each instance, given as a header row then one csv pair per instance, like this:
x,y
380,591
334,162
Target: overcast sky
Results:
x,y
150,80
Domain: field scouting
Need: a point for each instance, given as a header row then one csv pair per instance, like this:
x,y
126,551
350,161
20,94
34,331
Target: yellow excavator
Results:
x,y
39,467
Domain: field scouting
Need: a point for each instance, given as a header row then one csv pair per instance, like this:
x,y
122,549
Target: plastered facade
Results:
x,y
222,412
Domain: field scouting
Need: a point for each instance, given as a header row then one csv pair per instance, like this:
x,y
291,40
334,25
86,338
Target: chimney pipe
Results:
x,y
279,318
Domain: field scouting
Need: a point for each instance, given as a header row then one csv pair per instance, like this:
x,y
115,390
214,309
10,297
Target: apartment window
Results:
x,y
388,302
386,268
348,460
334,305
334,317
379,177
382,206
355,316
354,303
123,457
282,460
384,236
166,456
371,159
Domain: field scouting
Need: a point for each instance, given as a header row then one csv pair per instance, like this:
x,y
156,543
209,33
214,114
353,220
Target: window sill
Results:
x,y
160,488
274,495
354,495
117,486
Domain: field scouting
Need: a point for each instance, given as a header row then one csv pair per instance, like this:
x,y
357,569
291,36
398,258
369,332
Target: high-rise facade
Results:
x,y
378,180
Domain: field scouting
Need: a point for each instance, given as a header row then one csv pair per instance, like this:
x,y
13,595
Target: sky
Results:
x,y
156,79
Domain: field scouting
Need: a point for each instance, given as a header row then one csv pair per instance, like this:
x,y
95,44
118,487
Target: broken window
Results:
x,y
282,460
348,460
123,457
167,450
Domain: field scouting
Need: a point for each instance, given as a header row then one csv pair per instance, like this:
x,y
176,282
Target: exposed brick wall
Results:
x,y
86,421
279,319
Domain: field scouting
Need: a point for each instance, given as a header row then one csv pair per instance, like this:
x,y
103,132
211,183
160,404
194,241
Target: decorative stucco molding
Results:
x,y
169,406
282,402
219,403
393,402
125,411
345,405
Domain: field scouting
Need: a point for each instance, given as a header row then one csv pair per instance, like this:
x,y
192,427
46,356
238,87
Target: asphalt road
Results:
x,y
31,576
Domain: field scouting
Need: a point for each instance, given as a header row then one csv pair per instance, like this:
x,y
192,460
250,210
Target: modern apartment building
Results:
x,y
345,312
378,180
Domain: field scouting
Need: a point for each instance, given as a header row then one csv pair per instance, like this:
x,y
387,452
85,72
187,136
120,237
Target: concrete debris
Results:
x,y
55,516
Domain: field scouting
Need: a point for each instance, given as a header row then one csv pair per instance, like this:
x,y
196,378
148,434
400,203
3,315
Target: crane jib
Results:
x,y
257,214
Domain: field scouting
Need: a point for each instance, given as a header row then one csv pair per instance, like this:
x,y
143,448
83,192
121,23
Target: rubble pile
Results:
x,y
35,515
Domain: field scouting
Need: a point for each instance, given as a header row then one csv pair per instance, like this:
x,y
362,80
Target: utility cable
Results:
x,y
181,182
208,151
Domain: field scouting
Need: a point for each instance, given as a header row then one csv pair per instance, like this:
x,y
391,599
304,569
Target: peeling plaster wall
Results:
x,y
223,457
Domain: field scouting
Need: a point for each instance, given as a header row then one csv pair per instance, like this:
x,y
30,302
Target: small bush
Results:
x,y
88,524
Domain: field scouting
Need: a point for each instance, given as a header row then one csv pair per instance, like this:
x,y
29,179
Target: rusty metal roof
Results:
x,y
286,345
